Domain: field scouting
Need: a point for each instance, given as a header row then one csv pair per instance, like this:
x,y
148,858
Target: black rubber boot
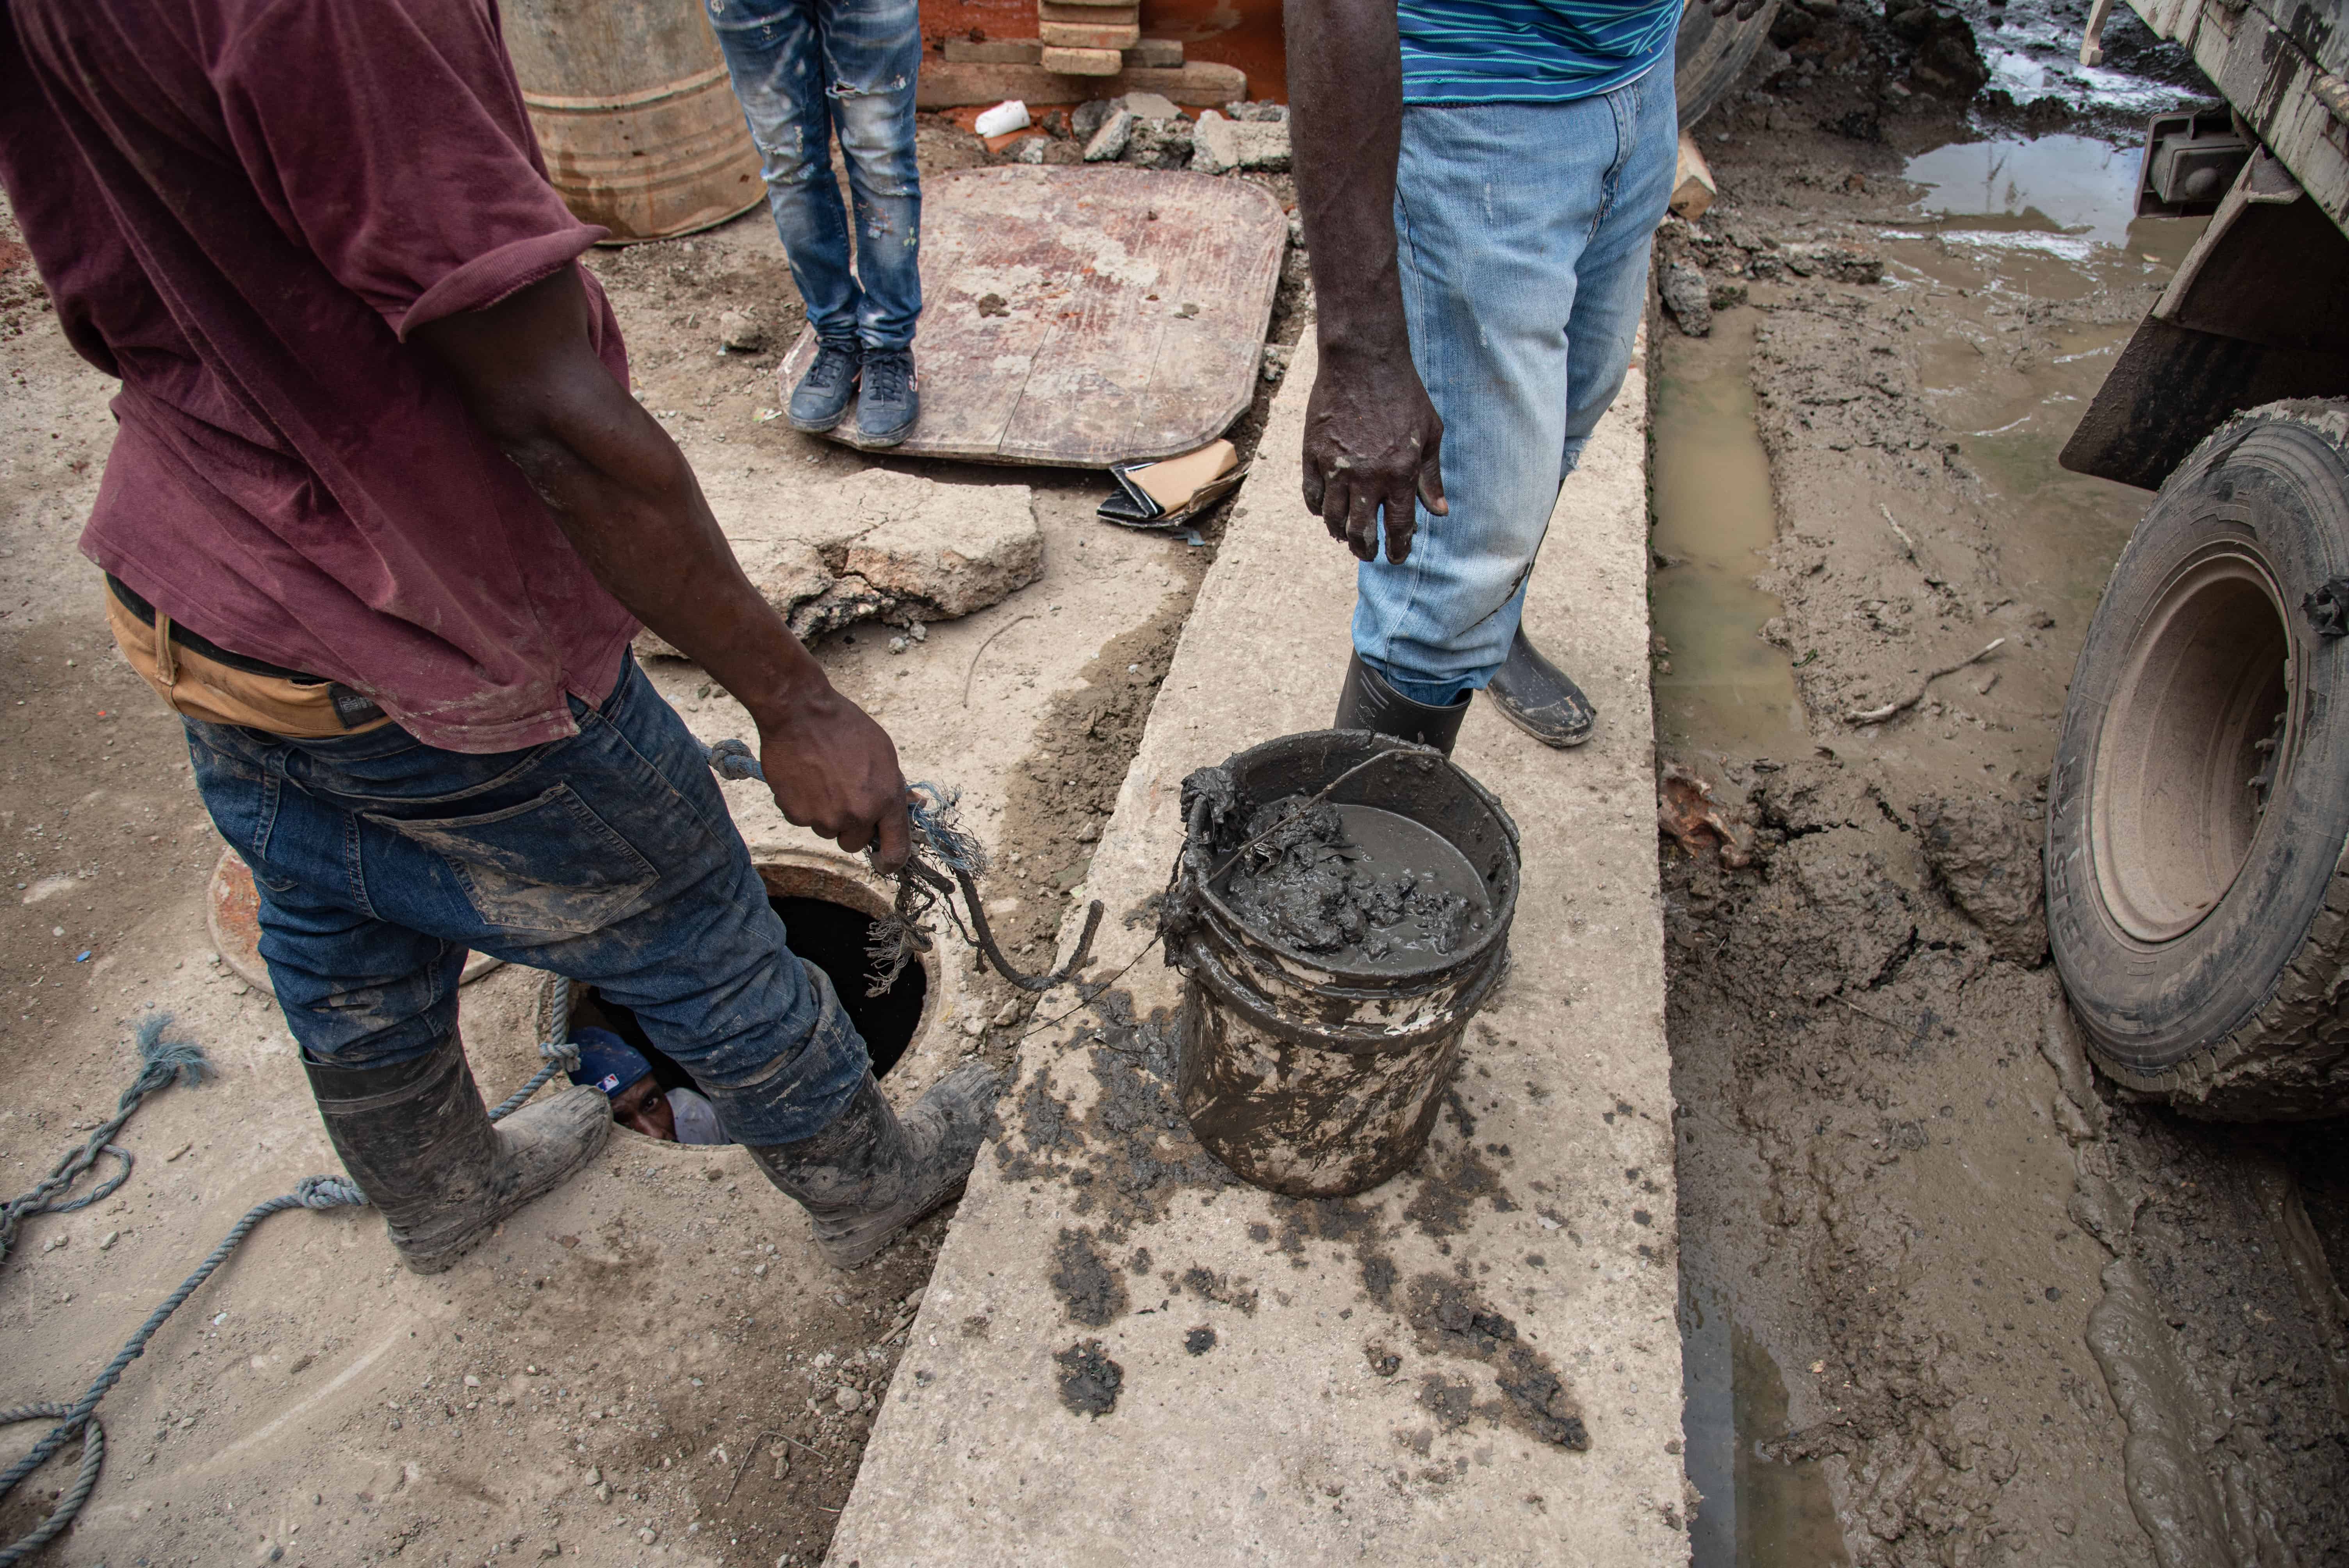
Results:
x,y
1535,695
419,1144
1368,702
868,1175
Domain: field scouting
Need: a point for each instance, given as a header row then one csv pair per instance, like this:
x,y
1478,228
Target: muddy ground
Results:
x,y
1950,1299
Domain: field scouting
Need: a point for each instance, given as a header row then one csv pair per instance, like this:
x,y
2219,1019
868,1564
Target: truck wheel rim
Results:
x,y
2196,741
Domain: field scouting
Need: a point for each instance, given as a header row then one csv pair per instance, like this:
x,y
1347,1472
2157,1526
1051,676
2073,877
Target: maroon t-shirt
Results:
x,y
243,209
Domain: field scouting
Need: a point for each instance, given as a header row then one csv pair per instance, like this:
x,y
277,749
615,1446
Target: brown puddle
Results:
x,y
1718,686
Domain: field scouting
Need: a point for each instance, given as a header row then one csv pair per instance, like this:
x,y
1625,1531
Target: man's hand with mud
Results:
x,y
1374,442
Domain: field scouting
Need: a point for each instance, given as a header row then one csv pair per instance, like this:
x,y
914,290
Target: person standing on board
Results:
x,y
1480,181
804,70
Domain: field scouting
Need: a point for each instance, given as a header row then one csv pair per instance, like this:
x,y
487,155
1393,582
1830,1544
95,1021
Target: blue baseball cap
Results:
x,y
607,1061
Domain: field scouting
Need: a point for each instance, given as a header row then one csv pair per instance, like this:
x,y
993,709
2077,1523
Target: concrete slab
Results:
x,y
1314,1382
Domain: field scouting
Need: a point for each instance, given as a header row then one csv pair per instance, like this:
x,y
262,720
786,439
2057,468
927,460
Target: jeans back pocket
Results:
x,y
548,865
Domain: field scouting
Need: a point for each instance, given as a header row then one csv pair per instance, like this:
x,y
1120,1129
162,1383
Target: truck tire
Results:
x,y
1711,52
2198,890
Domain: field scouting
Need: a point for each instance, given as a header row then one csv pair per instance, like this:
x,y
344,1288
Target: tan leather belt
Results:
x,y
219,687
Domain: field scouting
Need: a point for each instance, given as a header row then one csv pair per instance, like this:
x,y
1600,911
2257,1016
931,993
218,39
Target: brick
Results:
x,y
1074,36
1083,62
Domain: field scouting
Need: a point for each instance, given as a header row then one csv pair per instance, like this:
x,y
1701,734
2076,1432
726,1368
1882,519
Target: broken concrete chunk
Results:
x,y
1985,855
1259,110
741,332
1689,297
1159,144
1089,117
1843,263
880,544
954,557
1149,106
1109,139
1219,145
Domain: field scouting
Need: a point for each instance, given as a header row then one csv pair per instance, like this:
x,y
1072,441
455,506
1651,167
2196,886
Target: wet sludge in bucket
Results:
x,y
1340,912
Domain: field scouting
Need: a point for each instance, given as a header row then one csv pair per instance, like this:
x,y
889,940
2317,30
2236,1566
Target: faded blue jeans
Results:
x,y
803,69
608,857
1523,233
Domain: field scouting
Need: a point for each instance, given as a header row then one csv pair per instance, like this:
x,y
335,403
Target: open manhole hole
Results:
x,y
830,918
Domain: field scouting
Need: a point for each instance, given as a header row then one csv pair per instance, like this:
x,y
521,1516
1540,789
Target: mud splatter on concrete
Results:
x,y
1451,1320
1200,1340
1090,1381
1093,1291
1222,1289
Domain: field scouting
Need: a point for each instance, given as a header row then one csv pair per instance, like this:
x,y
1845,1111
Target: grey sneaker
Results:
x,y
821,399
890,403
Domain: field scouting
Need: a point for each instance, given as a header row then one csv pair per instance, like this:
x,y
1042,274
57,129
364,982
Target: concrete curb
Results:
x,y
1357,1400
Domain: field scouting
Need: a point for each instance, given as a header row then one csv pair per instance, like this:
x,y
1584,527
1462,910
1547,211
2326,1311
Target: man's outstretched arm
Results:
x,y
627,498
1372,439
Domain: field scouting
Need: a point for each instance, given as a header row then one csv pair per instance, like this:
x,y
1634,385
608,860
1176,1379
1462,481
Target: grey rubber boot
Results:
x,y
1537,696
1368,702
869,1174
421,1146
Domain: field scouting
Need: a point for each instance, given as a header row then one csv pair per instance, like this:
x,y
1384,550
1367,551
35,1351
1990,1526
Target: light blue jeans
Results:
x,y
803,69
1523,233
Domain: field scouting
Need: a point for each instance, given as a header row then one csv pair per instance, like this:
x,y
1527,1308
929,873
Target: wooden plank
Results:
x,y
1127,320
951,84
1692,186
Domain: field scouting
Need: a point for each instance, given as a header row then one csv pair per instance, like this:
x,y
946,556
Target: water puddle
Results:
x,y
1757,1512
2072,186
1719,685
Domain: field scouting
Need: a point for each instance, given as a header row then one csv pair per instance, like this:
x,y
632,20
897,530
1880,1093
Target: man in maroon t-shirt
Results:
x,y
379,520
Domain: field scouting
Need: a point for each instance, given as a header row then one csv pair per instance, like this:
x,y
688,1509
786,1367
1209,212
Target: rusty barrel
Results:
x,y
634,113
1304,1077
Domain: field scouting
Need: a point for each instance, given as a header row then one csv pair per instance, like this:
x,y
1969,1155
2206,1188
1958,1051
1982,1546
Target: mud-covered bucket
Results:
x,y
1317,1073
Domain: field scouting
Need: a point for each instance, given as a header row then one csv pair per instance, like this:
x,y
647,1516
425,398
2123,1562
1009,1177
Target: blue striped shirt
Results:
x,y
1528,51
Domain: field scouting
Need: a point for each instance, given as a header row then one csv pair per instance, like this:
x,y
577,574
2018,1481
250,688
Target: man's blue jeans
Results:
x,y
802,69
608,857
1524,232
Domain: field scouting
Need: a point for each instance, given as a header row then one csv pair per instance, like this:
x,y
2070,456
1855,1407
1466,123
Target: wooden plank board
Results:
x,y
1127,321
956,84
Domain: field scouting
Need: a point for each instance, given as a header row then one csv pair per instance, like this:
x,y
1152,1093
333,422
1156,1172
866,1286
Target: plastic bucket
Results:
x,y
1304,1077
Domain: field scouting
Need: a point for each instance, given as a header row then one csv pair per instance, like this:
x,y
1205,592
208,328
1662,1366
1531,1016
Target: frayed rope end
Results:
x,y
182,1057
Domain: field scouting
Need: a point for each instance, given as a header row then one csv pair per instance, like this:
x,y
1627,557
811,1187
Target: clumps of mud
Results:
x,y
1093,1293
1451,1320
1199,1341
1133,1150
1352,882
1090,1381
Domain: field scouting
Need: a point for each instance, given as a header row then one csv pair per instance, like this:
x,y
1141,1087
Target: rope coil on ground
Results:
x,y
165,1062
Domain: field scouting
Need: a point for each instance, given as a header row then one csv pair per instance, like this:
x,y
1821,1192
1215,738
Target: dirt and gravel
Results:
x,y
1982,1310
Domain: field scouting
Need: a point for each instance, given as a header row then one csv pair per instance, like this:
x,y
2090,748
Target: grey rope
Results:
x,y
163,1062
944,859
166,1061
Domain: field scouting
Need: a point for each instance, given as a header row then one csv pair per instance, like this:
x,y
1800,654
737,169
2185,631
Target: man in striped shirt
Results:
x,y
1480,180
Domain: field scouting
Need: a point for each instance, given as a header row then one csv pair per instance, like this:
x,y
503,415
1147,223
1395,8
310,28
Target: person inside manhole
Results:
x,y
379,522
1479,180
619,1071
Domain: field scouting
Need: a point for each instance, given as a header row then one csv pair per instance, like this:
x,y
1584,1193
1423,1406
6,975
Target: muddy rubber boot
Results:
x,y
421,1146
1537,696
869,1175
1368,702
